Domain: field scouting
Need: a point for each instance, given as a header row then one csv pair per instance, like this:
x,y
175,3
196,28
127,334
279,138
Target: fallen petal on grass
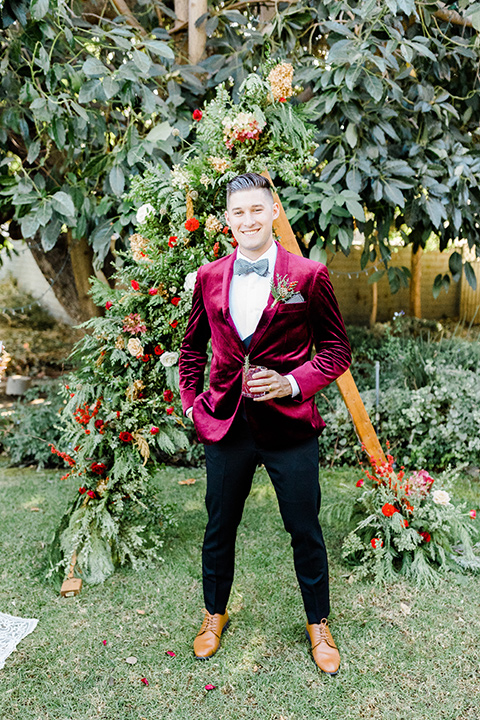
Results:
x,y
131,660
210,687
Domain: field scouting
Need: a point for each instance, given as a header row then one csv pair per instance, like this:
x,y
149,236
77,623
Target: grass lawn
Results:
x,y
407,654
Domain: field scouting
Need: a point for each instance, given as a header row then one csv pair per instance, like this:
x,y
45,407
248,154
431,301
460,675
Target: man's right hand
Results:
x,y
189,414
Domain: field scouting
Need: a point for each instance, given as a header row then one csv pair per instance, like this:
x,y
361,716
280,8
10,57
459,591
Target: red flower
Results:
x,y
108,305
91,494
98,423
154,430
174,324
359,483
158,350
197,115
473,514
374,542
145,681
216,249
404,523
82,490
282,100
425,535
135,285
170,653
389,510
125,436
175,301
168,395
118,414
172,240
210,687
233,243
98,468
170,410
226,230
76,448
145,358
153,291
192,224
104,642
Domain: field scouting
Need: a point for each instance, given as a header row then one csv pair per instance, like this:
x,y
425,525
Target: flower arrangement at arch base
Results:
x,y
407,526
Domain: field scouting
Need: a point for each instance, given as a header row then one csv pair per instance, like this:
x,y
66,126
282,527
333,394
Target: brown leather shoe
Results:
x,y
324,650
207,641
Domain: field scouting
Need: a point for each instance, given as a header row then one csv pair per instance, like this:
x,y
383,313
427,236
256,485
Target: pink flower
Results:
x,y
134,324
104,642
135,285
91,494
210,687
360,482
170,653
154,430
473,514
153,291
144,681
108,305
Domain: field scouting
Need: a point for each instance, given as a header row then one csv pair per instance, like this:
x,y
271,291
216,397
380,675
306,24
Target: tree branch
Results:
x,y
123,9
452,16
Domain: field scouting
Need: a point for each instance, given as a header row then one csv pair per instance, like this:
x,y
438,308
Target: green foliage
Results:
x,y
32,423
429,400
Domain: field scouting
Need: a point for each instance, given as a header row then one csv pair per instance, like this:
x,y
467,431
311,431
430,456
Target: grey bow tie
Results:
x,y
242,267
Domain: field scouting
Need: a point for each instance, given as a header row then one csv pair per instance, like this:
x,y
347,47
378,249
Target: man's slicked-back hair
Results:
x,y
248,181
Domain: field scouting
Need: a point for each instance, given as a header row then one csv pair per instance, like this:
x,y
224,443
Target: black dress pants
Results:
x,y
231,464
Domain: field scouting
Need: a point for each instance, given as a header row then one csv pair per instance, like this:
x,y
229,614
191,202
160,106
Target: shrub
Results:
x,y
34,418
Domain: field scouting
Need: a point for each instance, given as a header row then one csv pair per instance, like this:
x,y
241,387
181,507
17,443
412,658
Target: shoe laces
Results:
x,y
319,633
209,623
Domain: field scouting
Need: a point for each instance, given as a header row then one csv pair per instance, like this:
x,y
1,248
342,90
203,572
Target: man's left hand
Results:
x,y
271,383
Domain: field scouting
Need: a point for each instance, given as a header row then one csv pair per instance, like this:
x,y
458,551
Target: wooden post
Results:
x,y
345,383
71,585
197,36
416,283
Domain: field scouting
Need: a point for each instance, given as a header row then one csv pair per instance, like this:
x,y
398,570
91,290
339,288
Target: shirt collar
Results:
x,y
270,255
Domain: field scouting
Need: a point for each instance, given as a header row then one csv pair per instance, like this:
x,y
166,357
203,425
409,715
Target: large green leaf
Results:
x,y
63,204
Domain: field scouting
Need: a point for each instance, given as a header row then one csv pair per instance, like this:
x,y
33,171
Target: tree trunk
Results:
x,y
197,36
81,256
415,309
56,267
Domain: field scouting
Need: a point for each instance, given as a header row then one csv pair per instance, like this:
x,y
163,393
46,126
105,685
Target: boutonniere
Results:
x,y
283,289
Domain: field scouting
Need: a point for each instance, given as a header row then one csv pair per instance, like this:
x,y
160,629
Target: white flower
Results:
x,y
441,497
135,347
169,358
190,280
144,211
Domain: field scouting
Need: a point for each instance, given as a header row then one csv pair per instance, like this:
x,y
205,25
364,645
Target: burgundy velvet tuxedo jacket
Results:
x,y
283,341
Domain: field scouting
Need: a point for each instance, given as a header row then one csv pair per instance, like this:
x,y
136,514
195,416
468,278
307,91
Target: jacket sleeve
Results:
x,y
193,352
332,348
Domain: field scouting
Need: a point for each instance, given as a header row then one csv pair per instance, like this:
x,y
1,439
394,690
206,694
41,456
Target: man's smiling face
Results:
x,y
250,214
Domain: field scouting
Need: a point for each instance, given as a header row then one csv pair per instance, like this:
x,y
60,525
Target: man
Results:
x,y
236,305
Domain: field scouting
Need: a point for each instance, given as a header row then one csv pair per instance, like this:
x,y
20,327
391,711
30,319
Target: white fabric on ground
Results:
x,y
12,630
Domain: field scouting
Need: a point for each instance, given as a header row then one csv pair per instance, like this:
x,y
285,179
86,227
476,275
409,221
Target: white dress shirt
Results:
x,y
248,299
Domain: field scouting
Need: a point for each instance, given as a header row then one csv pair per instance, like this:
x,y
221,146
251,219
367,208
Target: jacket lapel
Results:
x,y
281,269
